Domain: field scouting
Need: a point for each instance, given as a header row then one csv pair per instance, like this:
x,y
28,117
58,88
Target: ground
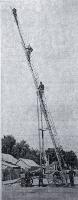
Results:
x,y
16,192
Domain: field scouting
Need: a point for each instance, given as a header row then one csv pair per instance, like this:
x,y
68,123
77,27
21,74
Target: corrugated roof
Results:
x,y
22,164
5,165
29,163
8,158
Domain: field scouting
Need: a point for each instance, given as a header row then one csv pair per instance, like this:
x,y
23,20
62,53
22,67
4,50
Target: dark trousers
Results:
x,y
72,181
40,182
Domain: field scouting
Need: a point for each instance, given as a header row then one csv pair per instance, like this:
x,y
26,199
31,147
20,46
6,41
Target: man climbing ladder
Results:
x,y
41,89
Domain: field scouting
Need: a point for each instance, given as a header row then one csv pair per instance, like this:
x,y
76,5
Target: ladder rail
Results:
x,y
52,137
54,131
38,114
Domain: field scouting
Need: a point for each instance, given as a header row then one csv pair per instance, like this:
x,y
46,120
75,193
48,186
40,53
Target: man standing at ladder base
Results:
x,y
71,176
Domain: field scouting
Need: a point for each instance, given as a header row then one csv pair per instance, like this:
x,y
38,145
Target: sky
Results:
x,y
51,27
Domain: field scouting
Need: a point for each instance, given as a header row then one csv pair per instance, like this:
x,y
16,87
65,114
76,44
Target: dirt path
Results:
x,y
15,192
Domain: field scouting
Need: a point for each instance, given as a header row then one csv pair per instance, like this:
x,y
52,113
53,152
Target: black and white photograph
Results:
x,y
39,99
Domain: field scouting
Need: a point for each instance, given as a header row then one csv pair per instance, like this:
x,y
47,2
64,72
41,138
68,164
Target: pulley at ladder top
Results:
x,y
15,14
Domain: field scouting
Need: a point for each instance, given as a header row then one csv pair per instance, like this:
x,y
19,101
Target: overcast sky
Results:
x,y
51,27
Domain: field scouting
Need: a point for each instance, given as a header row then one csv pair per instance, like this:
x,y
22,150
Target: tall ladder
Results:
x,y
49,122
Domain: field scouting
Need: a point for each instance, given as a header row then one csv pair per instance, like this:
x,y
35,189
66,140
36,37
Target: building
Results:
x,y
10,170
27,164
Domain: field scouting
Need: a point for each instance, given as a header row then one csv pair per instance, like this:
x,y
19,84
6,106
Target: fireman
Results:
x,y
40,178
29,50
71,176
41,89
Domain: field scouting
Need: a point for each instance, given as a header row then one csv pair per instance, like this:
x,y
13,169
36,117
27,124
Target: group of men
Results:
x,y
27,178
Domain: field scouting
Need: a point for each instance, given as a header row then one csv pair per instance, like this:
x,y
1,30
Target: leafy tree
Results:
x,y
68,158
7,144
20,150
71,159
50,152
35,155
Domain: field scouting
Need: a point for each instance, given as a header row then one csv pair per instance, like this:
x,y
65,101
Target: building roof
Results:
x,y
5,165
9,158
26,163
9,161
23,165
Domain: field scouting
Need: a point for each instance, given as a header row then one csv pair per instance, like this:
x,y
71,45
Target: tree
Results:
x,y
35,155
7,144
71,159
50,152
20,150
68,158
